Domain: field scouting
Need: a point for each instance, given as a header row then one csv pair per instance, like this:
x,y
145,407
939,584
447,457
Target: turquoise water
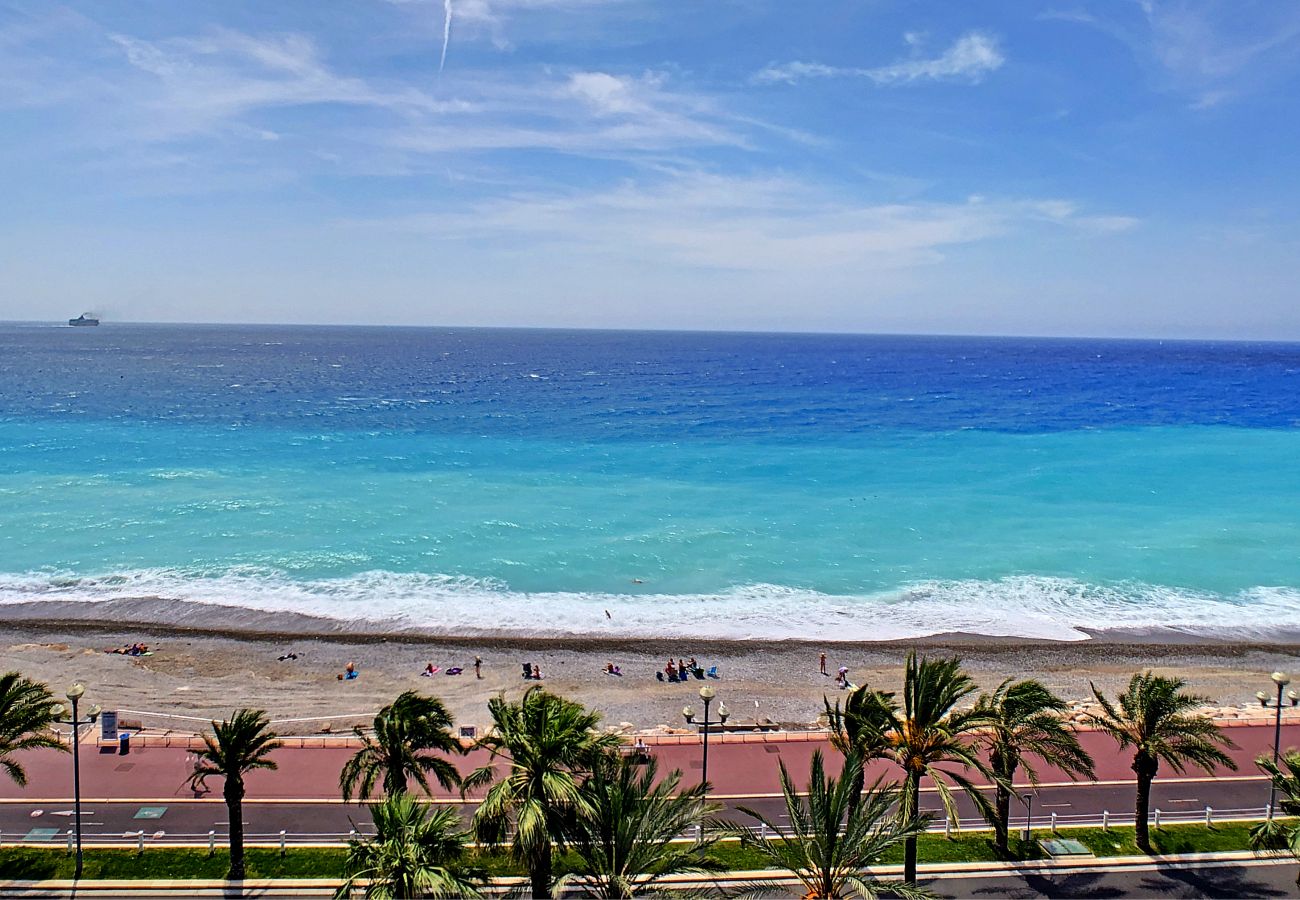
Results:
x,y
348,504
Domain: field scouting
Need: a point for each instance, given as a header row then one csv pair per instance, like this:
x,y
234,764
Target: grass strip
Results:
x,y
39,863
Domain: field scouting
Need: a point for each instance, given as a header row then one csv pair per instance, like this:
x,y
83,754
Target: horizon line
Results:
x,y
61,323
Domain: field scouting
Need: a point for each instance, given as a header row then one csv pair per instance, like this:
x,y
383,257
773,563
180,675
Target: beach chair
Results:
x,y
699,674
713,672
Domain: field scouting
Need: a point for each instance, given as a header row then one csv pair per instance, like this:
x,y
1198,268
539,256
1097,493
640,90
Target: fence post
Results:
x,y
70,833
282,842
1157,819
1268,812
1105,820
1053,822
699,832
762,830
947,826
1209,817
212,842
352,834
139,845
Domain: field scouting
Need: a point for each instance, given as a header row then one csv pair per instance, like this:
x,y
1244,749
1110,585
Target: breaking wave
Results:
x,y
1015,606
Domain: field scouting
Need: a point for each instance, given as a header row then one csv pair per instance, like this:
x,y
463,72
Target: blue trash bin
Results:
x,y
123,743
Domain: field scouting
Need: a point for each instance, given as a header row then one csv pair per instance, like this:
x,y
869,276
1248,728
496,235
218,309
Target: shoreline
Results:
x,y
160,616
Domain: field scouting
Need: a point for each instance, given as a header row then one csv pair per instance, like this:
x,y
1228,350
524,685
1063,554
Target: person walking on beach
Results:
x,y
823,663
478,667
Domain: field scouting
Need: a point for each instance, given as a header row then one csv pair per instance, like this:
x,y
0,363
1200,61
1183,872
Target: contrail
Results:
x,y
446,32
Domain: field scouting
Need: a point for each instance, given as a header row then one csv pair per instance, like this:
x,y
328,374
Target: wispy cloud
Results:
x,y
225,82
703,220
1210,50
582,112
969,59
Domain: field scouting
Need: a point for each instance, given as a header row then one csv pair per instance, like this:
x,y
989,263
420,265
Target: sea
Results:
x,y
748,486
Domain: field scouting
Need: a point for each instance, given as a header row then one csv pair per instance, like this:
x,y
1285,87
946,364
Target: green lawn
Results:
x,y
27,863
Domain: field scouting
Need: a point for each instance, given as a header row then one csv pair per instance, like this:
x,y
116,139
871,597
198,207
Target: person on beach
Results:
x,y
537,673
671,671
430,669
842,678
478,667
822,663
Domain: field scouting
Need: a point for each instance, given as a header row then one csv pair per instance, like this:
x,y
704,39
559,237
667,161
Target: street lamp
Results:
x,y
1029,814
706,694
1281,679
75,722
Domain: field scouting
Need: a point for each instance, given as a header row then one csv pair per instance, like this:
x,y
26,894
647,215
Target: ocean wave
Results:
x,y
1018,606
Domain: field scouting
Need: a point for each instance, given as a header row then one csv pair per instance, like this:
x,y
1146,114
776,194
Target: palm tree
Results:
x,y
407,732
1157,719
416,852
237,746
27,710
622,835
548,743
1023,719
835,832
927,731
1277,835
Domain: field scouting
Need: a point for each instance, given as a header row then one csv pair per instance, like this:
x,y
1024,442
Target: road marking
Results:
x,y
305,801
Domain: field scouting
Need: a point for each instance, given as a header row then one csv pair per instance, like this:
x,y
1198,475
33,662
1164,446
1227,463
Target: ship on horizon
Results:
x,y
84,319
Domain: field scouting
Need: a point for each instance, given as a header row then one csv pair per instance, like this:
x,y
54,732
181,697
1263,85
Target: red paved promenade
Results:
x,y
738,765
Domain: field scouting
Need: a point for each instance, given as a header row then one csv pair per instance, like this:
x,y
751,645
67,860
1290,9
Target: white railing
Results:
x,y
1040,825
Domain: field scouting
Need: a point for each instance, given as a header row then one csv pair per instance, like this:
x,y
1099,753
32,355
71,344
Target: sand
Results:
x,y
203,668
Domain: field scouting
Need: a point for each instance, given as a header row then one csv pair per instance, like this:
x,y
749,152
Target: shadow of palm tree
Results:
x,y
1229,881
22,864
1028,885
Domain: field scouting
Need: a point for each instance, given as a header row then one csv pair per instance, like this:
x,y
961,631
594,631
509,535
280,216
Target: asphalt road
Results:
x,y
176,816
1253,879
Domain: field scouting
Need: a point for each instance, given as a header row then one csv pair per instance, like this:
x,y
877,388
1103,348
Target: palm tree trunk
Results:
x,y
235,808
539,872
1145,771
1140,811
1002,821
913,812
1004,770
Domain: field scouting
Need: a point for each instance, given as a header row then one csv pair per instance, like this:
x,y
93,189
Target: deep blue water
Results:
x,y
842,486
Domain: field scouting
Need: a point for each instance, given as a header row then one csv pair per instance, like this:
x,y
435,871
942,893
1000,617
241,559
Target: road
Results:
x,y
146,789
1206,879
1253,878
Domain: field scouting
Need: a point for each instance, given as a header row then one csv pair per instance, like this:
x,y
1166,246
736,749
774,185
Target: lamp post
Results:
x,y
1281,679
706,694
1029,814
75,722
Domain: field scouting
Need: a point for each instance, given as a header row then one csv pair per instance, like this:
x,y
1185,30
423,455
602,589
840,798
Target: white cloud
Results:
x,y
583,112
1211,50
970,58
757,224
198,84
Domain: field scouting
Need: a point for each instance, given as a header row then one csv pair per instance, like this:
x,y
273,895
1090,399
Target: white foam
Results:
x,y
1022,606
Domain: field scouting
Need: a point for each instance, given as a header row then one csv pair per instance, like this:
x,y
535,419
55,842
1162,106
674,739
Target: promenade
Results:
x,y
145,791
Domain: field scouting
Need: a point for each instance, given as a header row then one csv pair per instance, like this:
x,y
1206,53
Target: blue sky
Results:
x,y
1096,168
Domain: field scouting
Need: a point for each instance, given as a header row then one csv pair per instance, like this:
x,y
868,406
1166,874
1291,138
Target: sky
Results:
x,y
1116,168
